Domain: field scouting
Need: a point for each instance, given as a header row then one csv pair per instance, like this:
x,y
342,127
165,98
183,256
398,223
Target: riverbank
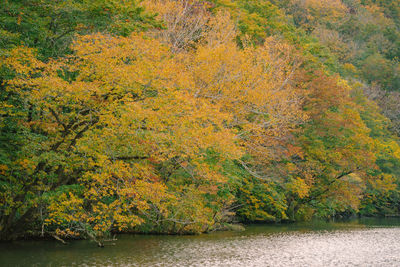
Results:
x,y
354,220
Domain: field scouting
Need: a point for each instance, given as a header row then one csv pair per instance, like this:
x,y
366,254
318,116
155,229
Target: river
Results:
x,y
359,242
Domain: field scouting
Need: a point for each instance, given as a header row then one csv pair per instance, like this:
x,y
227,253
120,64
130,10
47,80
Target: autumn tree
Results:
x,y
85,116
337,152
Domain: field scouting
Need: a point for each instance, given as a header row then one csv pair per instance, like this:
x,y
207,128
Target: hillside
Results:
x,y
182,117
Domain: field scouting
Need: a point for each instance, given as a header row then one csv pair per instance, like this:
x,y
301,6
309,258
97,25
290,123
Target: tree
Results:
x,y
86,118
337,152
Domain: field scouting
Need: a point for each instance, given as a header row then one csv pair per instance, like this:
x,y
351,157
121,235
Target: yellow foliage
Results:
x,y
120,106
298,187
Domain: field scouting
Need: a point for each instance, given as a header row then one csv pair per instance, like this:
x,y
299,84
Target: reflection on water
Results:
x,y
365,242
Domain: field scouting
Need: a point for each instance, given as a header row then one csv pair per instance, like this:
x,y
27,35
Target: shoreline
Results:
x,y
234,227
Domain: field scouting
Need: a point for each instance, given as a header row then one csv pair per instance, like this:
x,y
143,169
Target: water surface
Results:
x,y
362,242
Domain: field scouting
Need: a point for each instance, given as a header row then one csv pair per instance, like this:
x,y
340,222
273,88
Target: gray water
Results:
x,y
362,242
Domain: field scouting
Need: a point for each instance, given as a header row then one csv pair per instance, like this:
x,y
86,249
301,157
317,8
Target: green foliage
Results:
x,y
260,201
255,199
50,26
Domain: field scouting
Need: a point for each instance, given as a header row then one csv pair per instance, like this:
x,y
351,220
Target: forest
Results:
x,y
191,116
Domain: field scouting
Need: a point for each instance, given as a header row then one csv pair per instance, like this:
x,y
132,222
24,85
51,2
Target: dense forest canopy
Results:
x,y
185,116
